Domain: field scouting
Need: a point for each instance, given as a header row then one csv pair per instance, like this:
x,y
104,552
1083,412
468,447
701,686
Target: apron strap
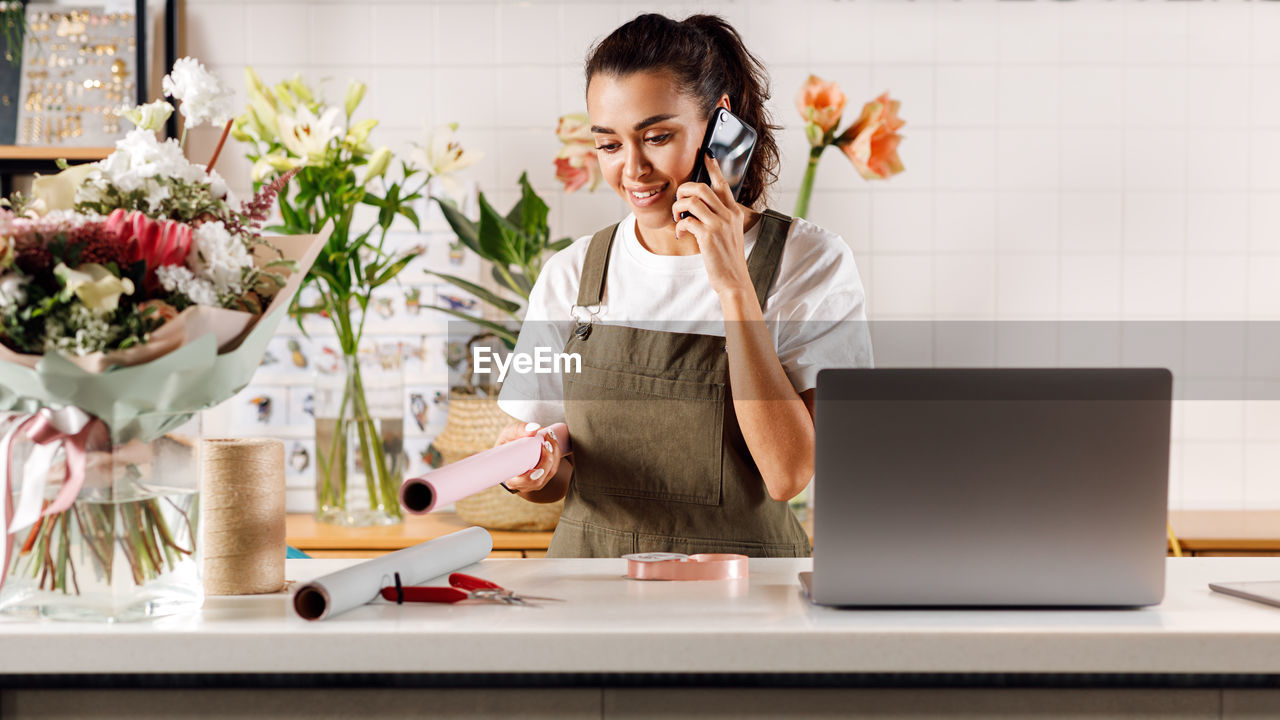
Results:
x,y
766,254
591,287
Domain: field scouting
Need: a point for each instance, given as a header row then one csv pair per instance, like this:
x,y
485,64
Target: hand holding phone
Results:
x,y
730,141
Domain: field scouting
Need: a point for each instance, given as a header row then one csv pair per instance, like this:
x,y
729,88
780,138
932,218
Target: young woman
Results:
x,y
691,418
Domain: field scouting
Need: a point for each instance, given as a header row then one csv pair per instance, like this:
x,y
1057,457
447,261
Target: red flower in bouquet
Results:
x,y
157,242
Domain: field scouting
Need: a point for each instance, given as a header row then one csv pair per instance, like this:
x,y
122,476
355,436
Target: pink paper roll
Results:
x,y
478,472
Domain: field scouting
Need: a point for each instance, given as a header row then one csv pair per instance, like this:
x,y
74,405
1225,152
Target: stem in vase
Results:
x,y
64,552
371,444
191,532
91,541
335,468
66,541
362,421
372,457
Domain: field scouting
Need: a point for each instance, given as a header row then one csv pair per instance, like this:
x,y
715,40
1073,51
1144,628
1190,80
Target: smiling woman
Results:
x,y
692,412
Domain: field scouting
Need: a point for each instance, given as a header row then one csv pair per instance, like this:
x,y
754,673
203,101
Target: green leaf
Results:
x,y
291,218
498,238
411,216
390,207
393,270
467,231
480,292
523,286
560,244
534,216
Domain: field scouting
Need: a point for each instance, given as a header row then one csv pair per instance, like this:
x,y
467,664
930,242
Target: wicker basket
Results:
x,y
472,425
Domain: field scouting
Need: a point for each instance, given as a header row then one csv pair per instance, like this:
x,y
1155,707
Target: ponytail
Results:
x,y
708,59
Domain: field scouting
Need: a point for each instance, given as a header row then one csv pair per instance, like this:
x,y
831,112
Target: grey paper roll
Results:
x,y
352,587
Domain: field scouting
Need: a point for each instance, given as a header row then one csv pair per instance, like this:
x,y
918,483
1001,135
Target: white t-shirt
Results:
x,y
815,309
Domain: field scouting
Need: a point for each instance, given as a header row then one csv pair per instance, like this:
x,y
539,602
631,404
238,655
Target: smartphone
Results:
x,y
731,141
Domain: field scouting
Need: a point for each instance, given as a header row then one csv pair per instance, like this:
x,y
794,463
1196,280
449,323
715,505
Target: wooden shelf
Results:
x,y
1237,532
1201,532
24,152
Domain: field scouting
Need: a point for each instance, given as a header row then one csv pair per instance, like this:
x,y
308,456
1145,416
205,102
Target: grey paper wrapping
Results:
x,y
352,587
143,401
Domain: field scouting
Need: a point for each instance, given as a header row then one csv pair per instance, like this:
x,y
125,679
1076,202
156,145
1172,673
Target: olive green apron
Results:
x,y
660,464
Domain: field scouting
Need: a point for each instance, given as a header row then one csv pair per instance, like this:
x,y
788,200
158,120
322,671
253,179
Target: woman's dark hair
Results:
x,y
708,59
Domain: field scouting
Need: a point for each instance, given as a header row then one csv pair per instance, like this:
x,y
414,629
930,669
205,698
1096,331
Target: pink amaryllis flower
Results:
x,y
157,242
576,163
821,104
871,143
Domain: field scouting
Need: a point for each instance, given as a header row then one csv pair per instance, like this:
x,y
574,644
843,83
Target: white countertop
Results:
x,y
611,624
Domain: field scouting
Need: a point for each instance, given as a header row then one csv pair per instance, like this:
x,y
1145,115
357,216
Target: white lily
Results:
x,y
441,156
273,163
378,163
355,93
308,136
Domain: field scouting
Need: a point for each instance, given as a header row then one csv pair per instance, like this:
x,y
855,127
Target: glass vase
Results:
x,y
360,462
126,548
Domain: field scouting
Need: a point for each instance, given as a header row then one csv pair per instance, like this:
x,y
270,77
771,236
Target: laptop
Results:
x,y
990,487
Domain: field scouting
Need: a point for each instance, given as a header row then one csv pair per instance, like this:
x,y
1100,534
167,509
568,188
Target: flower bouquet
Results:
x,y
133,293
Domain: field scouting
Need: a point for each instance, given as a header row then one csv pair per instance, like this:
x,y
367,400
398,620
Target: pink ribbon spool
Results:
x,y
678,566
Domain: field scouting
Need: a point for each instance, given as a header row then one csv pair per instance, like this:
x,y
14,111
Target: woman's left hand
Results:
x,y
716,220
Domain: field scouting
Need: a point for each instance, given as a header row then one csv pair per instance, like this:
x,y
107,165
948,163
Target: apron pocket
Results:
x,y
575,539
693,546
646,437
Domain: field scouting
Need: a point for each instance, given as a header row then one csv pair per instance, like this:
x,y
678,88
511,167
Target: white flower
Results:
x,y
202,97
58,192
83,331
219,257
378,163
217,186
151,116
441,156
96,287
13,290
141,162
176,278
308,136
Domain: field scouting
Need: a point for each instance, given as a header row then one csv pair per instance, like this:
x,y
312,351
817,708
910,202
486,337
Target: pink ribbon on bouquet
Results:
x,y
77,432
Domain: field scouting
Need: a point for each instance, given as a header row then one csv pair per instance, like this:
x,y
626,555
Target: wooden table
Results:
x,y
1203,533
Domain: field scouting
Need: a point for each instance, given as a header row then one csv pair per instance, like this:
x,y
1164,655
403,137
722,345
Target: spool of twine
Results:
x,y
242,516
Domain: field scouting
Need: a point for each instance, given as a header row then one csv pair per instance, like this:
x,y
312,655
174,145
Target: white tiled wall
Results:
x,y
1101,160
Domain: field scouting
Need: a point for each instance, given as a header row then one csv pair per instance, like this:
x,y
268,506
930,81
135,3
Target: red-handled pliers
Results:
x,y
464,587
